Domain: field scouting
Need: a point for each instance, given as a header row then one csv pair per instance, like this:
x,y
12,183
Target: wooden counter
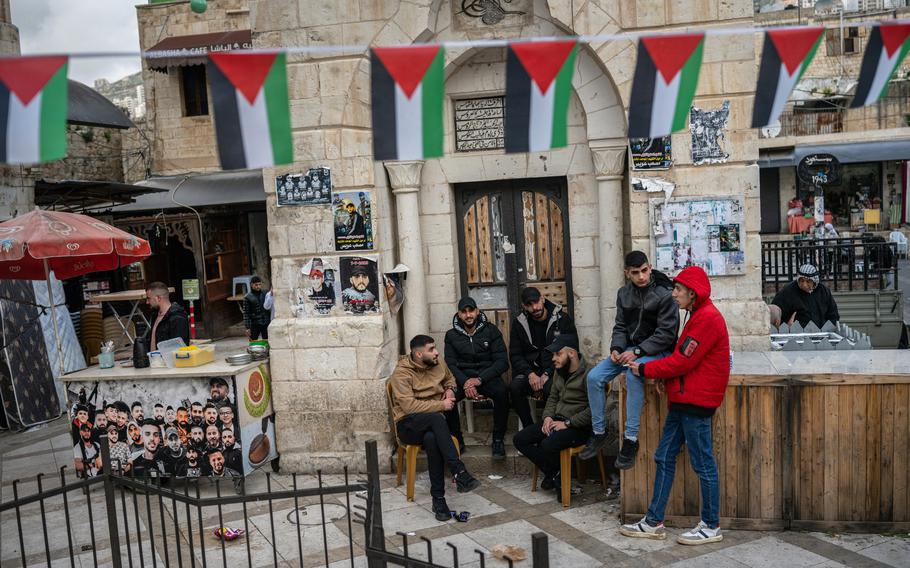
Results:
x,y
804,441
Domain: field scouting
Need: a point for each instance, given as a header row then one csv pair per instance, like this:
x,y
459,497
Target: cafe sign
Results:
x,y
819,170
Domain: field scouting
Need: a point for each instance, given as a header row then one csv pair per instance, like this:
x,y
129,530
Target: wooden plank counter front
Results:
x,y
804,441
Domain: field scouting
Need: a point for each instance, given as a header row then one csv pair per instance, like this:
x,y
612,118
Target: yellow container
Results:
x,y
194,356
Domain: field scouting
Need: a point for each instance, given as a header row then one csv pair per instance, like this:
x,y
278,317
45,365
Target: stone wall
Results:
x,y
834,72
92,154
728,74
181,143
328,372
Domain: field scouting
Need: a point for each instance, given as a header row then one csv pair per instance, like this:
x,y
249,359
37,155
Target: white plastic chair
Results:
x,y
901,240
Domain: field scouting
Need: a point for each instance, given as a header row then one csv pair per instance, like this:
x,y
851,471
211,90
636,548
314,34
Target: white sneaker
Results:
x,y
642,529
701,534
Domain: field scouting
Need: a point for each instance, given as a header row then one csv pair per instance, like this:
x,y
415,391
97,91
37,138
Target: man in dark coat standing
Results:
x,y
256,317
170,319
476,354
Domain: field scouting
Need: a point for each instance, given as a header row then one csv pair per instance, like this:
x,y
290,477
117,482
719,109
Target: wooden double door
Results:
x,y
513,234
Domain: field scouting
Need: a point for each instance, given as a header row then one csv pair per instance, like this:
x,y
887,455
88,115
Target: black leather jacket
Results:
x,y
647,317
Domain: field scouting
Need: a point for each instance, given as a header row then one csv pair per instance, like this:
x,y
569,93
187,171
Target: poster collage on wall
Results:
x,y
343,285
704,231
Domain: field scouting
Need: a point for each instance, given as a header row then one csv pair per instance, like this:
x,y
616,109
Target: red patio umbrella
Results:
x,y
34,244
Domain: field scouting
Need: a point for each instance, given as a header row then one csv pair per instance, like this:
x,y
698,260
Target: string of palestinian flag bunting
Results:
x,y
253,121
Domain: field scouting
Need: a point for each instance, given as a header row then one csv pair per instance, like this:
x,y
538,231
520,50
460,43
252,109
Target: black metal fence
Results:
x,y
111,520
844,264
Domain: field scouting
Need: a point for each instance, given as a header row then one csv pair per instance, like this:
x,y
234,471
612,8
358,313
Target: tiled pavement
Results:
x,y
503,511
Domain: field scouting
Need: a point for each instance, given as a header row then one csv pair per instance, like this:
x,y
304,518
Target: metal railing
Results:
x,y
111,520
844,263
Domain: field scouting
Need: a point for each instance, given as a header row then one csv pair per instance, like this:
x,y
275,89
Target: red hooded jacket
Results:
x,y
698,370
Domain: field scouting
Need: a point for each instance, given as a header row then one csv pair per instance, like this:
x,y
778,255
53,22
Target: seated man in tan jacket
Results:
x,y
422,389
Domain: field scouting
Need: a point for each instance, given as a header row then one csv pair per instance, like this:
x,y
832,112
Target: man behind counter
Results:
x,y
170,318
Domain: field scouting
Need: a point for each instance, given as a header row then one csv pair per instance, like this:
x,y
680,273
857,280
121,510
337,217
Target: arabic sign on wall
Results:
x,y
651,153
479,124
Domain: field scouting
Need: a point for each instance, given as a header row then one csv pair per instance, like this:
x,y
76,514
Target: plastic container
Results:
x,y
106,360
194,356
168,348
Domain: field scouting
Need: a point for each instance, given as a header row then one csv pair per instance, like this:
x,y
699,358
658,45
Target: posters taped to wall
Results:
x,y
702,231
353,218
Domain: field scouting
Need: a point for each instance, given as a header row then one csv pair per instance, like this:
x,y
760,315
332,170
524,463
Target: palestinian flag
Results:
x,y
252,118
33,109
666,75
887,46
407,95
538,87
784,58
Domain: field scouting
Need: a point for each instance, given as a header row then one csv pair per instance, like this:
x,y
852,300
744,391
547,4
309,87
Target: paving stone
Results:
x,y
519,533
710,560
771,552
854,542
895,552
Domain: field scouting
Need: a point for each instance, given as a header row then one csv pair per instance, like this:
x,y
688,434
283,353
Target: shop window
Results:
x,y
195,91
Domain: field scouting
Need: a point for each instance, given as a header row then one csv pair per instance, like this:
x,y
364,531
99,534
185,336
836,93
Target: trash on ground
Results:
x,y
510,551
227,533
494,477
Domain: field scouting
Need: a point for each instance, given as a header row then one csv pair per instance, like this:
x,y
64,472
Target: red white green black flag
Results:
x,y
785,57
887,46
538,88
666,76
407,101
33,109
252,116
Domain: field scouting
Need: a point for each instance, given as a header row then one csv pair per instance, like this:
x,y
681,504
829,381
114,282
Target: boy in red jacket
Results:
x,y
696,376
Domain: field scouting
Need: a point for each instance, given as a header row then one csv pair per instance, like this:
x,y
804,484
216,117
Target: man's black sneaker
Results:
x,y
595,443
499,450
465,482
626,457
441,510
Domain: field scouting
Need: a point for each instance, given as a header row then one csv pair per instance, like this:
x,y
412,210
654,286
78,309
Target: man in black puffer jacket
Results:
x,y
256,317
476,354
532,331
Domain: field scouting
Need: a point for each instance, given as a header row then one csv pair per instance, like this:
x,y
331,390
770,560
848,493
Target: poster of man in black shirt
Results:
x,y
353,220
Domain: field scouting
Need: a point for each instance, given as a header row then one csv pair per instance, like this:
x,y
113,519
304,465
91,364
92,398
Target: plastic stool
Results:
x,y
242,281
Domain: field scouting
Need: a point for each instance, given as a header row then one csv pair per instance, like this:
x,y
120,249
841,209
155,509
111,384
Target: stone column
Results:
x,y
404,178
609,166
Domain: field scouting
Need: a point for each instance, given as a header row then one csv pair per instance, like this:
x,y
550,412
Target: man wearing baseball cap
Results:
x,y
566,417
476,354
806,300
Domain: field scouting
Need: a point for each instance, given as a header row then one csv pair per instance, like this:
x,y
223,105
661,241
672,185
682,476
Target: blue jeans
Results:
x,y
635,394
695,431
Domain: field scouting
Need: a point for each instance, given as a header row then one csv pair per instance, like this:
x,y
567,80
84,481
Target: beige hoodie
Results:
x,y
417,388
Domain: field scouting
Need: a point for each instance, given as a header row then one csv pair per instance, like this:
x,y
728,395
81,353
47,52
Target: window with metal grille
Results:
x,y
479,124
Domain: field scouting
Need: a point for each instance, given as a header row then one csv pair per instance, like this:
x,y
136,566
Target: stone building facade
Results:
x,y
819,116
329,388
181,142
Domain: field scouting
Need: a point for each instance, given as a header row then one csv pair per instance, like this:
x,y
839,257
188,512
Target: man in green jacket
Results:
x,y
567,416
